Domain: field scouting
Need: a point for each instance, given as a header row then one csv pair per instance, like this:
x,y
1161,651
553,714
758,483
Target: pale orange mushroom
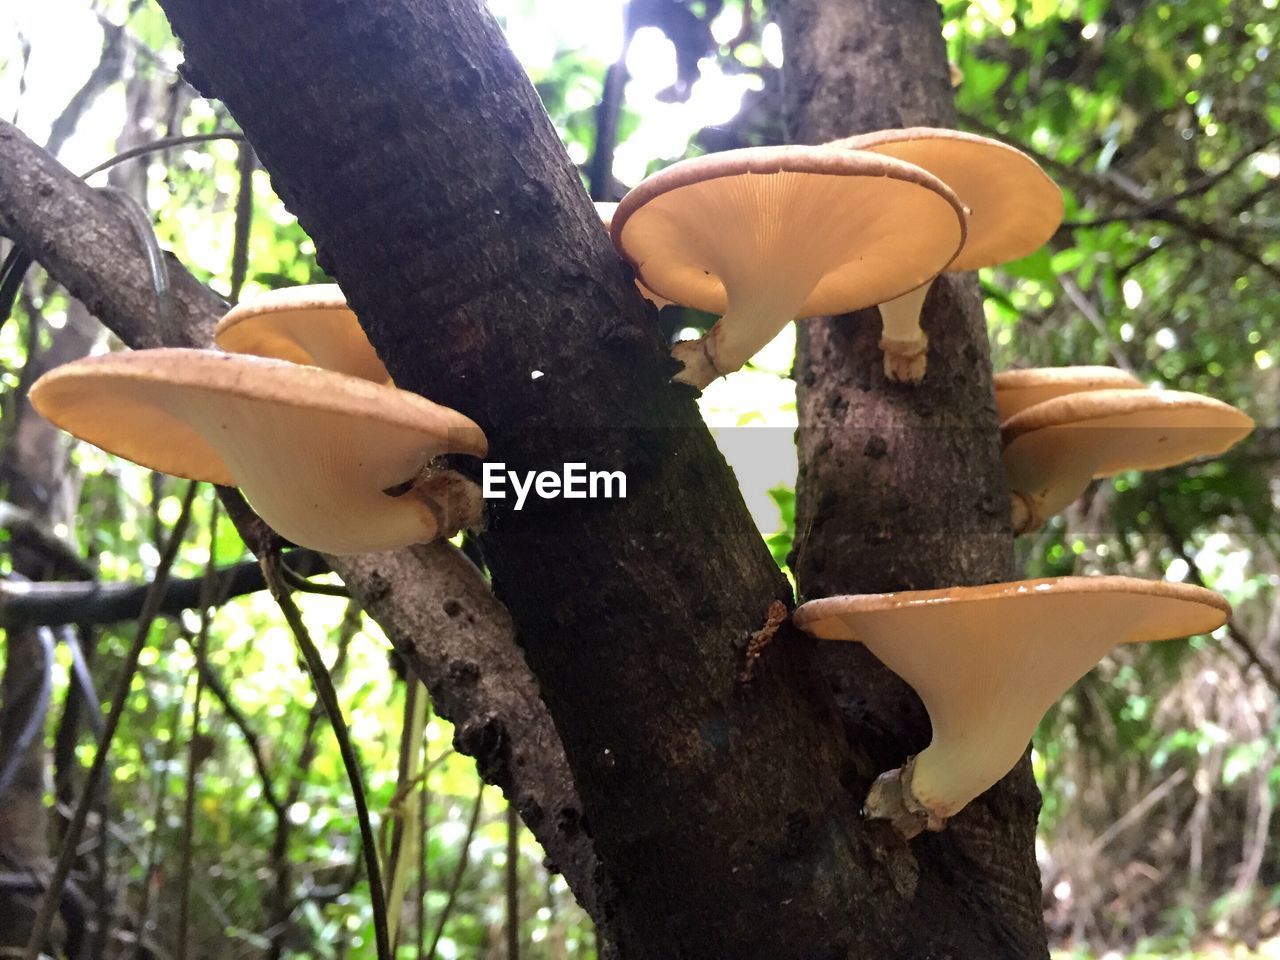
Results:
x,y
606,209
989,661
312,450
1013,209
309,324
1016,390
766,235
1054,449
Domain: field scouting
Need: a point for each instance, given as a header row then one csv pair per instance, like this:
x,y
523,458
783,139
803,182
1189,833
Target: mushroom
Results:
x,y
606,210
1054,449
313,450
766,235
309,324
988,661
1013,209
1018,389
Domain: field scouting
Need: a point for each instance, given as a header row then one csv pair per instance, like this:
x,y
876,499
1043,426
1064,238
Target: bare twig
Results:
x,y
106,72
463,856
1155,208
328,698
252,741
1178,545
1120,188
513,883
195,753
600,175
1086,307
91,602
245,164
164,143
25,528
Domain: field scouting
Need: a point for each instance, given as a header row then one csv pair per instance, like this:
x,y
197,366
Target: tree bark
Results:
x,y
900,486
411,146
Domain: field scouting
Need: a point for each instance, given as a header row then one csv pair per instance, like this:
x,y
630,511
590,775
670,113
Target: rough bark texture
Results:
x,y
86,243
412,147
900,486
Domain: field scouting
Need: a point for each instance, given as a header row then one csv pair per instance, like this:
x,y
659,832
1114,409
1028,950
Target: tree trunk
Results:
x,y
900,486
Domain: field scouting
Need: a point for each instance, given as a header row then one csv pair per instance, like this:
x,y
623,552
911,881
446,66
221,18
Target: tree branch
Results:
x,y
1125,191
26,529
108,70
91,602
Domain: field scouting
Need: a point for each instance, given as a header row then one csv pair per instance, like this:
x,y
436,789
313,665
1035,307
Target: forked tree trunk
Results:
x,y
900,486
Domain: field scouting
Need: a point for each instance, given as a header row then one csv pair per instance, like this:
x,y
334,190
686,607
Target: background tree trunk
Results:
x,y
34,474
900,486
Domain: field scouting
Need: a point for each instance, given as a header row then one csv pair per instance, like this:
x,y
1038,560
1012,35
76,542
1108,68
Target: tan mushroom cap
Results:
x,y
606,209
309,324
692,228
1054,449
312,450
989,661
1016,390
1014,207
766,235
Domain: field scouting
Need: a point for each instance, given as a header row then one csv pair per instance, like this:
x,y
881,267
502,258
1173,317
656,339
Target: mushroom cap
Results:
x,y
309,324
866,228
1111,431
1054,449
606,209
1014,207
989,661
313,450
1016,390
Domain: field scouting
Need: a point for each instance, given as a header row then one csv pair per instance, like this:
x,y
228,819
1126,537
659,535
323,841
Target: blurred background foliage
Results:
x,y
1161,120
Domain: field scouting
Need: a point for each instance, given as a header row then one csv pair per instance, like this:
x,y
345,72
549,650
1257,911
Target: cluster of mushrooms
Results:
x,y
297,410
769,235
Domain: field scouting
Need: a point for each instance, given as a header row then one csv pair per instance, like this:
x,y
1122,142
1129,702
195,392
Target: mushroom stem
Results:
x,y
456,501
754,317
891,798
1022,512
904,344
